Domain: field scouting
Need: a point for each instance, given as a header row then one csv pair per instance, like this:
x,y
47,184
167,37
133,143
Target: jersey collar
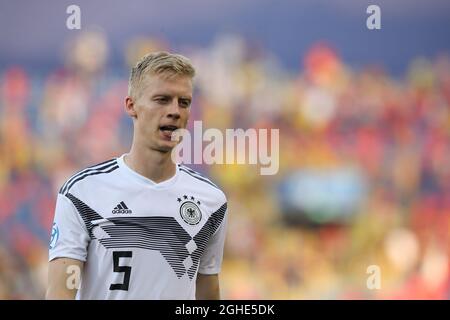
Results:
x,y
144,180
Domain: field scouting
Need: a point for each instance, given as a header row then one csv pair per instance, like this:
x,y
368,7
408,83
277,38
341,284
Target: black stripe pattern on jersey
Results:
x,y
104,167
87,214
202,237
196,175
163,234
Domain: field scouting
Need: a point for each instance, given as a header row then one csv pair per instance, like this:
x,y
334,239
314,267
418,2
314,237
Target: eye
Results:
x,y
162,100
185,103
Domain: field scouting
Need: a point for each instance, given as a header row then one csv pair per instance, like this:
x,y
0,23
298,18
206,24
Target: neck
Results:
x,y
152,164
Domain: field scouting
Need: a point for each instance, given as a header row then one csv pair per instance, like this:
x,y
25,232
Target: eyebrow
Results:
x,y
170,95
166,95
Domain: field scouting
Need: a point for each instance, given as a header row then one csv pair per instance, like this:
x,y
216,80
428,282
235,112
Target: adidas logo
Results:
x,y
121,208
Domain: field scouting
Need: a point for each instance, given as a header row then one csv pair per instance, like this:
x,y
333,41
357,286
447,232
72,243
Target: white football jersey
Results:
x,y
139,239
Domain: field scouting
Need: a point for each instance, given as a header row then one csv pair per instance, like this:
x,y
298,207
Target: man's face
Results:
x,y
162,107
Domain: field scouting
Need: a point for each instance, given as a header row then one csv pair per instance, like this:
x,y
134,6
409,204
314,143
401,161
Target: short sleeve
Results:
x,y
69,236
211,260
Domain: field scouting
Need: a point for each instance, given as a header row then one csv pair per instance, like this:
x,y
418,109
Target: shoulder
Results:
x,y
203,182
102,168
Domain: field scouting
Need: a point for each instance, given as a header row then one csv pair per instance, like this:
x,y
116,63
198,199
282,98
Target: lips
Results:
x,y
167,130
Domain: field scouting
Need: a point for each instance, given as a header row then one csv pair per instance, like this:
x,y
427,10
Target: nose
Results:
x,y
173,110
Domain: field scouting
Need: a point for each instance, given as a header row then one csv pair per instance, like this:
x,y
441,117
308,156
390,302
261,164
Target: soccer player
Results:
x,y
141,226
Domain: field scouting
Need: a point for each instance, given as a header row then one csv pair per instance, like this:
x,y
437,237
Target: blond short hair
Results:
x,y
160,63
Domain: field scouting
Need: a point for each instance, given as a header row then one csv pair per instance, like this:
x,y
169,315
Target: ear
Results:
x,y
130,107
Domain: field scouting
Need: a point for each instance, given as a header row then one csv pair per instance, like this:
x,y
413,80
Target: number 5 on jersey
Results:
x,y
120,268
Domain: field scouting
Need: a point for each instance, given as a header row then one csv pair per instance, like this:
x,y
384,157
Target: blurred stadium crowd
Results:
x,y
395,132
